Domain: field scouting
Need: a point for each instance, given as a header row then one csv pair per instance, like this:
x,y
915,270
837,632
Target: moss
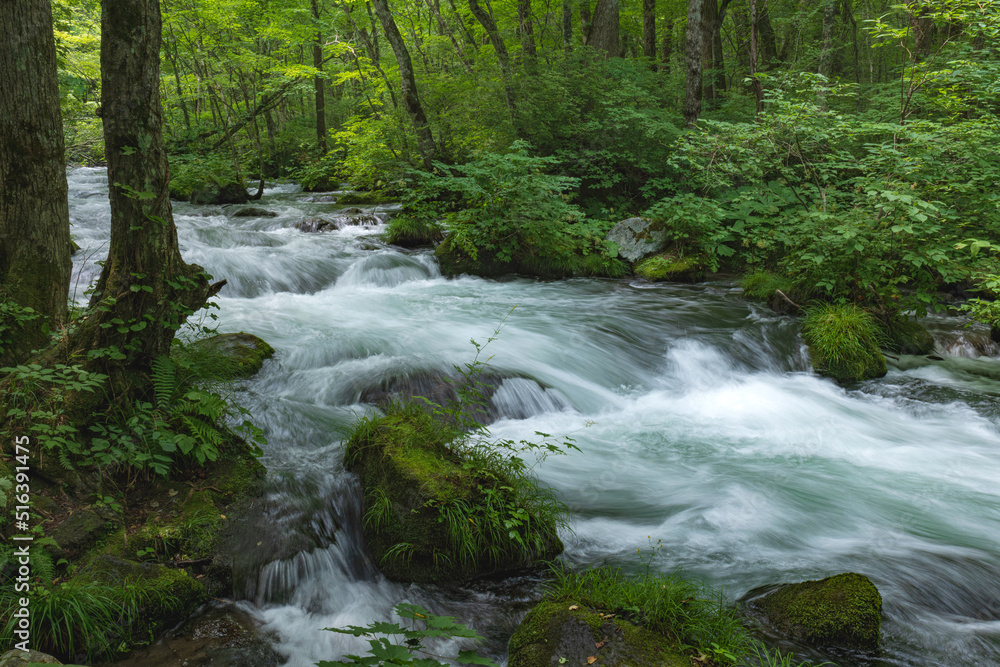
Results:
x,y
843,611
671,266
428,510
166,595
761,286
227,356
363,198
412,232
565,630
844,343
534,262
906,336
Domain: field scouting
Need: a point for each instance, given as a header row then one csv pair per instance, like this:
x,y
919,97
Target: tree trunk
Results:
x,y
667,47
709,11
585,21
408,84
490,26
320,84
649,30
826,49
145,291
34,213
692,57
766,42
526,29
567,26
604,31
758,89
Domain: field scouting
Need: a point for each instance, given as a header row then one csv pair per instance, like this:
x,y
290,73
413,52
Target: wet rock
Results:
x,y
321,199
638,238
843,611
315,224
362,220
560,632
19,658
74,247
363,198
230,193
354,210
253,212
231,355
78,531
221,637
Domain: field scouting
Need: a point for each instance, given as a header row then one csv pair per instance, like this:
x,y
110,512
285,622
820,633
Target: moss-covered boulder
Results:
x,y
436,511
230,355
363,198
637,238
843,611
229,193
557,632
844,343
906,336
164,595
254,212
19,658
77,532
538,262
671,266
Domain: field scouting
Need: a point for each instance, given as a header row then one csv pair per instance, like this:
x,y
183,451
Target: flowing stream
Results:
x,y
698,419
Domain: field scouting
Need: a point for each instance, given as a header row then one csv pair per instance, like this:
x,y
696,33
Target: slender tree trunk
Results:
x,y
319,83
585,21
408,84
709,11
667,46
526,29
826,49
692,57
34,213
490,26
758,89
567,26
766,41
649,30
604,31
145,291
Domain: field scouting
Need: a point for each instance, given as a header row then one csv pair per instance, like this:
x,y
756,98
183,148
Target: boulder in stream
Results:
x,y
436,510
230,193
230,355
843,611
844,343
314,224
254,212
671,266
557,632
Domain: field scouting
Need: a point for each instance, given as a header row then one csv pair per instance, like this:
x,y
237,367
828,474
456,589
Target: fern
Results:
x,y
165,381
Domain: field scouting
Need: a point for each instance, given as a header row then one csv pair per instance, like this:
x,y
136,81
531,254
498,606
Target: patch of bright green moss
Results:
x,y
843,611
670,266
844,343
762,285
412,232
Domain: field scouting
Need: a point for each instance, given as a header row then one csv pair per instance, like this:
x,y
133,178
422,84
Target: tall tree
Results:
x,y
649,30
526,29
490,26
604,29
758,89
567,26
408,84
145,290
692,59
34,213
319,83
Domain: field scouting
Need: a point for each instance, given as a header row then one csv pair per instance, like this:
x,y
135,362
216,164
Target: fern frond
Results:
x,y
165,382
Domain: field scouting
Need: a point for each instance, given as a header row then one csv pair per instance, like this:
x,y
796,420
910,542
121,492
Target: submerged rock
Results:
x,y
230,193
232,355
254,212
638,238
560,632
843,611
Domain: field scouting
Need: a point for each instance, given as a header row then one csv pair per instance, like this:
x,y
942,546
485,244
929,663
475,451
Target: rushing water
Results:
x,y
698,419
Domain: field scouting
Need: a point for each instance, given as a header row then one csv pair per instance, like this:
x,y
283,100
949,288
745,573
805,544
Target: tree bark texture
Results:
x,y
649,29
585,20
34,214
490,26
145,290
567,26
758,89
826,49
667,46
692,58
408,84
319,83
604,29
526,29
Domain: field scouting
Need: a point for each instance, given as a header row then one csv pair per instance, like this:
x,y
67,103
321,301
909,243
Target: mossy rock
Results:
x,y
671,266
168,595
535,262
254,212
409,475
843,611
231,355
845,343
230,193
362,198
905,336
638,237
77,532
19,658
412,233
566,632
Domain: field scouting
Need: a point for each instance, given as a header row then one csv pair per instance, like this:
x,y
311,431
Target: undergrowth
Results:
x,y
844,342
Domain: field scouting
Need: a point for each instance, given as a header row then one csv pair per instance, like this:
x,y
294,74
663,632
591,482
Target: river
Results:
x,y
698,420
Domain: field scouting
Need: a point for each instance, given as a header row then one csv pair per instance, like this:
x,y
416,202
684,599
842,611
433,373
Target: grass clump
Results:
x,y
844,342
670,266
412,231
761,285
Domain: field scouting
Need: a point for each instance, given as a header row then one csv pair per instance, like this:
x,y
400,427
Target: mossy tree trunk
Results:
x,y
604,31
35,262
145,291
319,83
692,59
490,26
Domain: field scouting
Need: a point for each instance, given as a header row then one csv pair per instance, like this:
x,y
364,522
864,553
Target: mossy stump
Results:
x,y
843,611
567,632
671,266
426,511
